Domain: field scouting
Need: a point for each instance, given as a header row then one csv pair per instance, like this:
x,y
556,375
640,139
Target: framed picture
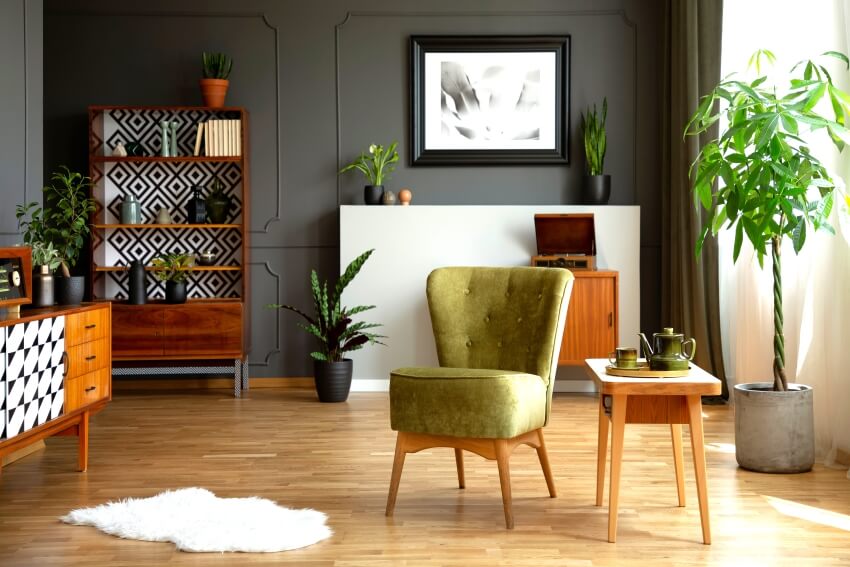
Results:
x,y
489,99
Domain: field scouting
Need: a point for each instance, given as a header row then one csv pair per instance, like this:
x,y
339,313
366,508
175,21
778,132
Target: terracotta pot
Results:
x,y
213,92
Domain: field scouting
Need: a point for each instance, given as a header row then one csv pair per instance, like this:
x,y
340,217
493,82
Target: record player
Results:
x,y
565,241
15,277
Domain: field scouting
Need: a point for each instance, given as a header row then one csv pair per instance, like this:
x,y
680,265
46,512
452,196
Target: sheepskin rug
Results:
x,y
195,519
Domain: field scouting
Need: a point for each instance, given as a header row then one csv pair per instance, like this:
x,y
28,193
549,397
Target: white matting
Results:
x,y
411,241
194,519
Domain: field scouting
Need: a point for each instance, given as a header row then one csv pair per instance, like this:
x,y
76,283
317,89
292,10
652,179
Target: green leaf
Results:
x,y
798,236
768,129
739,240
838,55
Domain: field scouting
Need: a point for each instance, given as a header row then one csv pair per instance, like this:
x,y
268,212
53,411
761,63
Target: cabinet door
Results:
x,y
591,320
137,330
204,329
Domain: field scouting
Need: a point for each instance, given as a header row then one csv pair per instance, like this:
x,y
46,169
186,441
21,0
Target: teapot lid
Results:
x,y
668,332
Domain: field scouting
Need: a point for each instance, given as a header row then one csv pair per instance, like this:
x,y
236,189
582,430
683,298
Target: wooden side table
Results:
x,y
672,401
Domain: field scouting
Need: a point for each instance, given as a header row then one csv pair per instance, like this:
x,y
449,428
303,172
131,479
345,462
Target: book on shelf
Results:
x,y
221,137
198,138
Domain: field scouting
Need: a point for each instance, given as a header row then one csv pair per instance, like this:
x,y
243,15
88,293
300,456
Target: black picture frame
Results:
x,y
420,45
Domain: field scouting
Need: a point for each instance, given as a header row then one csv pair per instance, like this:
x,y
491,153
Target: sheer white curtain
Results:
x,y
815,283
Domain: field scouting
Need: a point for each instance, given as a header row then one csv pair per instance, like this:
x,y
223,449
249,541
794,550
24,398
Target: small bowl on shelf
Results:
x,y
207,258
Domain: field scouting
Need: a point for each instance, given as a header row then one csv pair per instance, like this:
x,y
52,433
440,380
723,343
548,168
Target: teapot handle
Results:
x,y
693,344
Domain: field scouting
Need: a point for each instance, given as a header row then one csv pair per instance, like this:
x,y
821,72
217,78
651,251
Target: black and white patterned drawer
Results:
x,y
31,369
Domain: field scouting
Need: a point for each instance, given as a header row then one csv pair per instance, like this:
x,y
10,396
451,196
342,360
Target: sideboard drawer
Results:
x,y
86,389
87,357
86,326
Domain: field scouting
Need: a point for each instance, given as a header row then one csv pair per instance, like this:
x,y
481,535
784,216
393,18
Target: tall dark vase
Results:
x,y
138,294
196,208
373,194
42,288
333,379
597,189
175,292
218,206
70,291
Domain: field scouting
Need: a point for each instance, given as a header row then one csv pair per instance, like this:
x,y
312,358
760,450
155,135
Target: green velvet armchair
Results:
x,y
498,332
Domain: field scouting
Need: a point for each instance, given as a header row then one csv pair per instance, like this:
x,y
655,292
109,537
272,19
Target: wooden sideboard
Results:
x,y
592,317
55,372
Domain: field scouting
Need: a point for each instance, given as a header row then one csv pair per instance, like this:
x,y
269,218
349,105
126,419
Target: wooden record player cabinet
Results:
x,y
592,322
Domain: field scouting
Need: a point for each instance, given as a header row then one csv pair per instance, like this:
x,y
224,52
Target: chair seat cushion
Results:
x,y
466,402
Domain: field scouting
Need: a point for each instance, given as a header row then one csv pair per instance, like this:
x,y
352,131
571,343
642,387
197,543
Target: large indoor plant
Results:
x,y
597,185
63,223
376,166
216,68
772,188
336,332
174,270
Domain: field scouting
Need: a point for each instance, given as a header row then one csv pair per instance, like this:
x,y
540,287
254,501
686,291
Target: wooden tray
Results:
x,y
643,371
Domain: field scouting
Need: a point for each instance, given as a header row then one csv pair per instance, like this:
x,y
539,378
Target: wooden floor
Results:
x,y
284,445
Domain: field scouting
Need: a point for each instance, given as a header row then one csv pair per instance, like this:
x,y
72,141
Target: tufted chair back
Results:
x,y
500,318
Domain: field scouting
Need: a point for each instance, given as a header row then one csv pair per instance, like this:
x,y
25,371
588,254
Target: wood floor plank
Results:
x,y
284,445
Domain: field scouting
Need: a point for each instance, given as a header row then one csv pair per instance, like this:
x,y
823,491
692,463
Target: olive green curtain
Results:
x,y
689,285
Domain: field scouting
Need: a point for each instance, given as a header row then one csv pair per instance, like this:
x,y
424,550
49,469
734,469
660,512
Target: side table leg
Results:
x,y
245,385
83,442
676,434
698,445
237,378
601,451
618,427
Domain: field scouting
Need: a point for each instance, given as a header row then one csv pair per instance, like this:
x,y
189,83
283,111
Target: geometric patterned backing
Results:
x,y
161,185
31,369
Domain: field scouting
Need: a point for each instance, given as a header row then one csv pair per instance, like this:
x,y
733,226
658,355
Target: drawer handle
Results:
x,y
92,357
90,388
610,319
65,360
92,326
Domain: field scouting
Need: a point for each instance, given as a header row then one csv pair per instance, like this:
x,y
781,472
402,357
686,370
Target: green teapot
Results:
x,y
668,352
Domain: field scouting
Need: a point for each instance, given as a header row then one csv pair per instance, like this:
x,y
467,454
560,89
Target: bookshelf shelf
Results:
x,y
152,269
176,159
164,226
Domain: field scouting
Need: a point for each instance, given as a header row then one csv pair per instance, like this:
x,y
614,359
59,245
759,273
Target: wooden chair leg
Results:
x,y
461,481
502,460
601,452
543,455
398,464
676,434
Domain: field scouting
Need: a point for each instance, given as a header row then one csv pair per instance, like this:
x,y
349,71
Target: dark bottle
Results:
x,y
196,208
138,294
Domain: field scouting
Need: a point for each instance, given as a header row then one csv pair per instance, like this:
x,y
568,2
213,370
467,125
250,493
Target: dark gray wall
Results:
x,y
322,80
20,110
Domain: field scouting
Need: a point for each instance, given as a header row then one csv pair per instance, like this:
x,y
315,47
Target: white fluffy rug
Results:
x,y
196,520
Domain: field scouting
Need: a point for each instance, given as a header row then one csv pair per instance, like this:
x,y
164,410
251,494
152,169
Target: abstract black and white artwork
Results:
x,y
489,99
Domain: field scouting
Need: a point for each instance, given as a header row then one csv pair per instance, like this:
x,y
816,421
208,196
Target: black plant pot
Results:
x,y
175,292
70,291
597,189
42,289
373,194
333,379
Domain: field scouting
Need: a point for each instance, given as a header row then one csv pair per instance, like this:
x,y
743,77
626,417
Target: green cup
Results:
x,y
624,357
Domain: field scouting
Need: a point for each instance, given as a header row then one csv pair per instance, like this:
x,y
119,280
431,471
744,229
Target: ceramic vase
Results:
x,y
388,198
218,206
131,210
373,194
164,150
119,150
138,294
42,287
163,216
172,148
175,292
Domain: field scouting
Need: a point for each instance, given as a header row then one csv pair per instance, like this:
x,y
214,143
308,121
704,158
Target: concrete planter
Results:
x,y
774,431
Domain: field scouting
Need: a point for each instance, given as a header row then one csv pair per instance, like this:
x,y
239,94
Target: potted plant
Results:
x,y
597,186
174,270
64,224
376,166
337,334
216,68
773,188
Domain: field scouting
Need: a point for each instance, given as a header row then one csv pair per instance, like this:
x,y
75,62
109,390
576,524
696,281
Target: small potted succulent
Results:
x,y
597,185
376,166
216,68
64,225
337,334
174,270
